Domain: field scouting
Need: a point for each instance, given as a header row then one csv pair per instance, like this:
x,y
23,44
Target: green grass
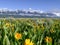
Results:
x,y
40,31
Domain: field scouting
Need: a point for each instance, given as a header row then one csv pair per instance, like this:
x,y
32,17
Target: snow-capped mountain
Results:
x,y
29,12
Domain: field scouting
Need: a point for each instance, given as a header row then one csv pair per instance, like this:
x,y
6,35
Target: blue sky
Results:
x,y
34,4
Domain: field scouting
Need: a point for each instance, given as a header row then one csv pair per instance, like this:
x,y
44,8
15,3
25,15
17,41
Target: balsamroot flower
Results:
x,y
52,31
28,42
7,24
18,36
48,39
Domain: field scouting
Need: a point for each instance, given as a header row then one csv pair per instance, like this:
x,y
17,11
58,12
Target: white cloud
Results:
x,y
58,14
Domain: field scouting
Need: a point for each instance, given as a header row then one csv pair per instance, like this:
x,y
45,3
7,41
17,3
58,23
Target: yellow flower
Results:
x,y
18,36
48,39
7,24
27,42
31,43
52,31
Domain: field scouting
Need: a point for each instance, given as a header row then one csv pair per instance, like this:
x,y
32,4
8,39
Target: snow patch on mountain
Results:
x,y
58,14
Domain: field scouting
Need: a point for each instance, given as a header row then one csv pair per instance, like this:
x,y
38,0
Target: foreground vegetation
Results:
x,y
30,31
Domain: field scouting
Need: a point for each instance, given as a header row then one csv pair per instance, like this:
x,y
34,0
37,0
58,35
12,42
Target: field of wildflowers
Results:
x,y
30,31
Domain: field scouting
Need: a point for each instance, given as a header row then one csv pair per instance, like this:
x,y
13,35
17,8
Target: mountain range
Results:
x,y
28,13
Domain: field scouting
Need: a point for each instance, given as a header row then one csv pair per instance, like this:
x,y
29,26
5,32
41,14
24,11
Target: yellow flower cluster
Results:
x,y
18,36
48,39
28,42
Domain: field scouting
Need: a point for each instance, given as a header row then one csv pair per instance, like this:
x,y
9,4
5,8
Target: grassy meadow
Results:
x,y
30,31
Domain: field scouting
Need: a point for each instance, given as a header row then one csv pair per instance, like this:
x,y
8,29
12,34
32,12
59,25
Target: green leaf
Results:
x,y
6,40
25,33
